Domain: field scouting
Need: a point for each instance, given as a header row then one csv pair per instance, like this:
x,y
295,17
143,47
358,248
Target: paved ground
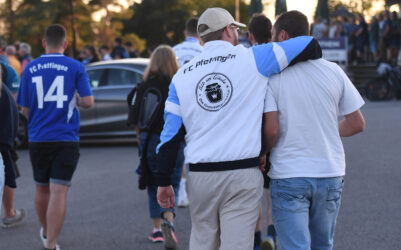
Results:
x,y
106,211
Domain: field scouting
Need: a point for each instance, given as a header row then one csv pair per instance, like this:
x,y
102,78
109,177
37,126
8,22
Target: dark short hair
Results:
x,y
212,36
118,40
293,22
260,26
55,35
191,26
129,44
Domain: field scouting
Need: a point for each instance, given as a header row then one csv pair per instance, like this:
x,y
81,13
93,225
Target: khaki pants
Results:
x,y
224,208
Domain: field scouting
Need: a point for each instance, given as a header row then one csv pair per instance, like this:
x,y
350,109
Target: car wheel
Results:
x,y
21,142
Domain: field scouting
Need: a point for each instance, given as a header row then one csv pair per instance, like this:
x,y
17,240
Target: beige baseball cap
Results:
x,y
216,19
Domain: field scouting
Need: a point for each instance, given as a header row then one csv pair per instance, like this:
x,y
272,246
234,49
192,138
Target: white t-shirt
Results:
x,y
318,30
187,50
309,98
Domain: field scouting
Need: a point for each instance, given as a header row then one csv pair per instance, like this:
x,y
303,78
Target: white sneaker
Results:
x,y
43,239
183,201
182,194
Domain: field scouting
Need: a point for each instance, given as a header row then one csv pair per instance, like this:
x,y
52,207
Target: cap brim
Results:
x,y
239,24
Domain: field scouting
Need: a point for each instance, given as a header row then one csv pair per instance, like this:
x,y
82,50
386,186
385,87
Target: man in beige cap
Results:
x,y
215,103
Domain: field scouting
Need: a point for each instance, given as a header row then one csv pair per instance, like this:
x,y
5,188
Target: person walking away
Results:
x,y
89,55
303,104
162,67
8,131
12,58
395,38
216,102
118,51
374,37
52,87
12,216
104,53
185,51
259,32
361,38
24,55
191,47
384,35
319,28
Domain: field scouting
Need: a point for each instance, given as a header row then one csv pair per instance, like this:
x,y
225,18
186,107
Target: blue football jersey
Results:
x,y
48,88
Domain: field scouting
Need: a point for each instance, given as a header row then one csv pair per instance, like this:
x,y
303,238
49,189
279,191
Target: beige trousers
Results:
x,y
224,207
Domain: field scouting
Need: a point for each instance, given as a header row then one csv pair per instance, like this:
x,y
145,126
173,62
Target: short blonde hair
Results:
x,y
163,62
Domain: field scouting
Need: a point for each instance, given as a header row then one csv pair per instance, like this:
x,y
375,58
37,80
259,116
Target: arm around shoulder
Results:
x,y
352,124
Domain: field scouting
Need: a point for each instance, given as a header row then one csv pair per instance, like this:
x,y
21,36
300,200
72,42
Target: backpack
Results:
x,y
150,108
131,97
144,112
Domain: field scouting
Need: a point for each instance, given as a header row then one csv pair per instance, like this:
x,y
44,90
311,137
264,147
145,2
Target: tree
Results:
x,y
322,9
161,22
281,6
255,7
354,6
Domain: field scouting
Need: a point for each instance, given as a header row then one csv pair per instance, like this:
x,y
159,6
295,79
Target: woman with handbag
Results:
x,y
149,108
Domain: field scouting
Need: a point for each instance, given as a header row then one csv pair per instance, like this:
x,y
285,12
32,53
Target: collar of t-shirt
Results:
x,y
217,43
191,39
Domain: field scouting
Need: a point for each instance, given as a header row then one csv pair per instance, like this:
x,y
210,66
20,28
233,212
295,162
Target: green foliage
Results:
x,y
354,6
146,24
163,22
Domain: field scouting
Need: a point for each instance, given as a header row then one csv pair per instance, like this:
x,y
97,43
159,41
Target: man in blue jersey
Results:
x,y
216,103
52,87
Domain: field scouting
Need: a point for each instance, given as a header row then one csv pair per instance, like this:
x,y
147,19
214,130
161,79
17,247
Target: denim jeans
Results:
x,y
154,209
305,211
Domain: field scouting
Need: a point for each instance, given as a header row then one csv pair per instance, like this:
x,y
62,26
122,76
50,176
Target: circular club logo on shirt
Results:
x,y
214,91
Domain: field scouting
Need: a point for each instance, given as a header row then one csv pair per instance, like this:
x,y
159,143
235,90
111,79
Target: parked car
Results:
x,y
111,82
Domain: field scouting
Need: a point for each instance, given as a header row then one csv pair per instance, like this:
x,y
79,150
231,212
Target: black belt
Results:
x,y
224,165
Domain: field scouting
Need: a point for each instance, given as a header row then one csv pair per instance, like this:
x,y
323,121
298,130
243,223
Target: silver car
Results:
x,y
111,82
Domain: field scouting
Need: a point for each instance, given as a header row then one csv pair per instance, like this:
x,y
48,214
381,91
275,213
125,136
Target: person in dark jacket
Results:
x,y
12,216
163,65
8,130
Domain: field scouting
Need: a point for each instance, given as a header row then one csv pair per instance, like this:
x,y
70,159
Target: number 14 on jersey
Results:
x,y
54,94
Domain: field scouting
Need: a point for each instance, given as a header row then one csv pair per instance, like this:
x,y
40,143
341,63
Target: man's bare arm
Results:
x,y
85,102
270,131
351,124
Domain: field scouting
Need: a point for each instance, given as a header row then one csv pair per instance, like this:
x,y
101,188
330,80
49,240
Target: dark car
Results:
x,y
111,81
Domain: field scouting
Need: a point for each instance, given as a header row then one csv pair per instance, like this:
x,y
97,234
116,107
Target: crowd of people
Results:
x,y
235,110
378,41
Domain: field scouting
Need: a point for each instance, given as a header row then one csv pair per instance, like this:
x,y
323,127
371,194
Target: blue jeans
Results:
x,y
305,211
154,209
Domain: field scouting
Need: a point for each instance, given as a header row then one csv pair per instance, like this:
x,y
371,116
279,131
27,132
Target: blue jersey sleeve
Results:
x,y
172,135
82,82
12,80
23,96
271,58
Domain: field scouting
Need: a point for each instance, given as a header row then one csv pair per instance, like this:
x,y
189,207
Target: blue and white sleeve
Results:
x,y
172,135
272,58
